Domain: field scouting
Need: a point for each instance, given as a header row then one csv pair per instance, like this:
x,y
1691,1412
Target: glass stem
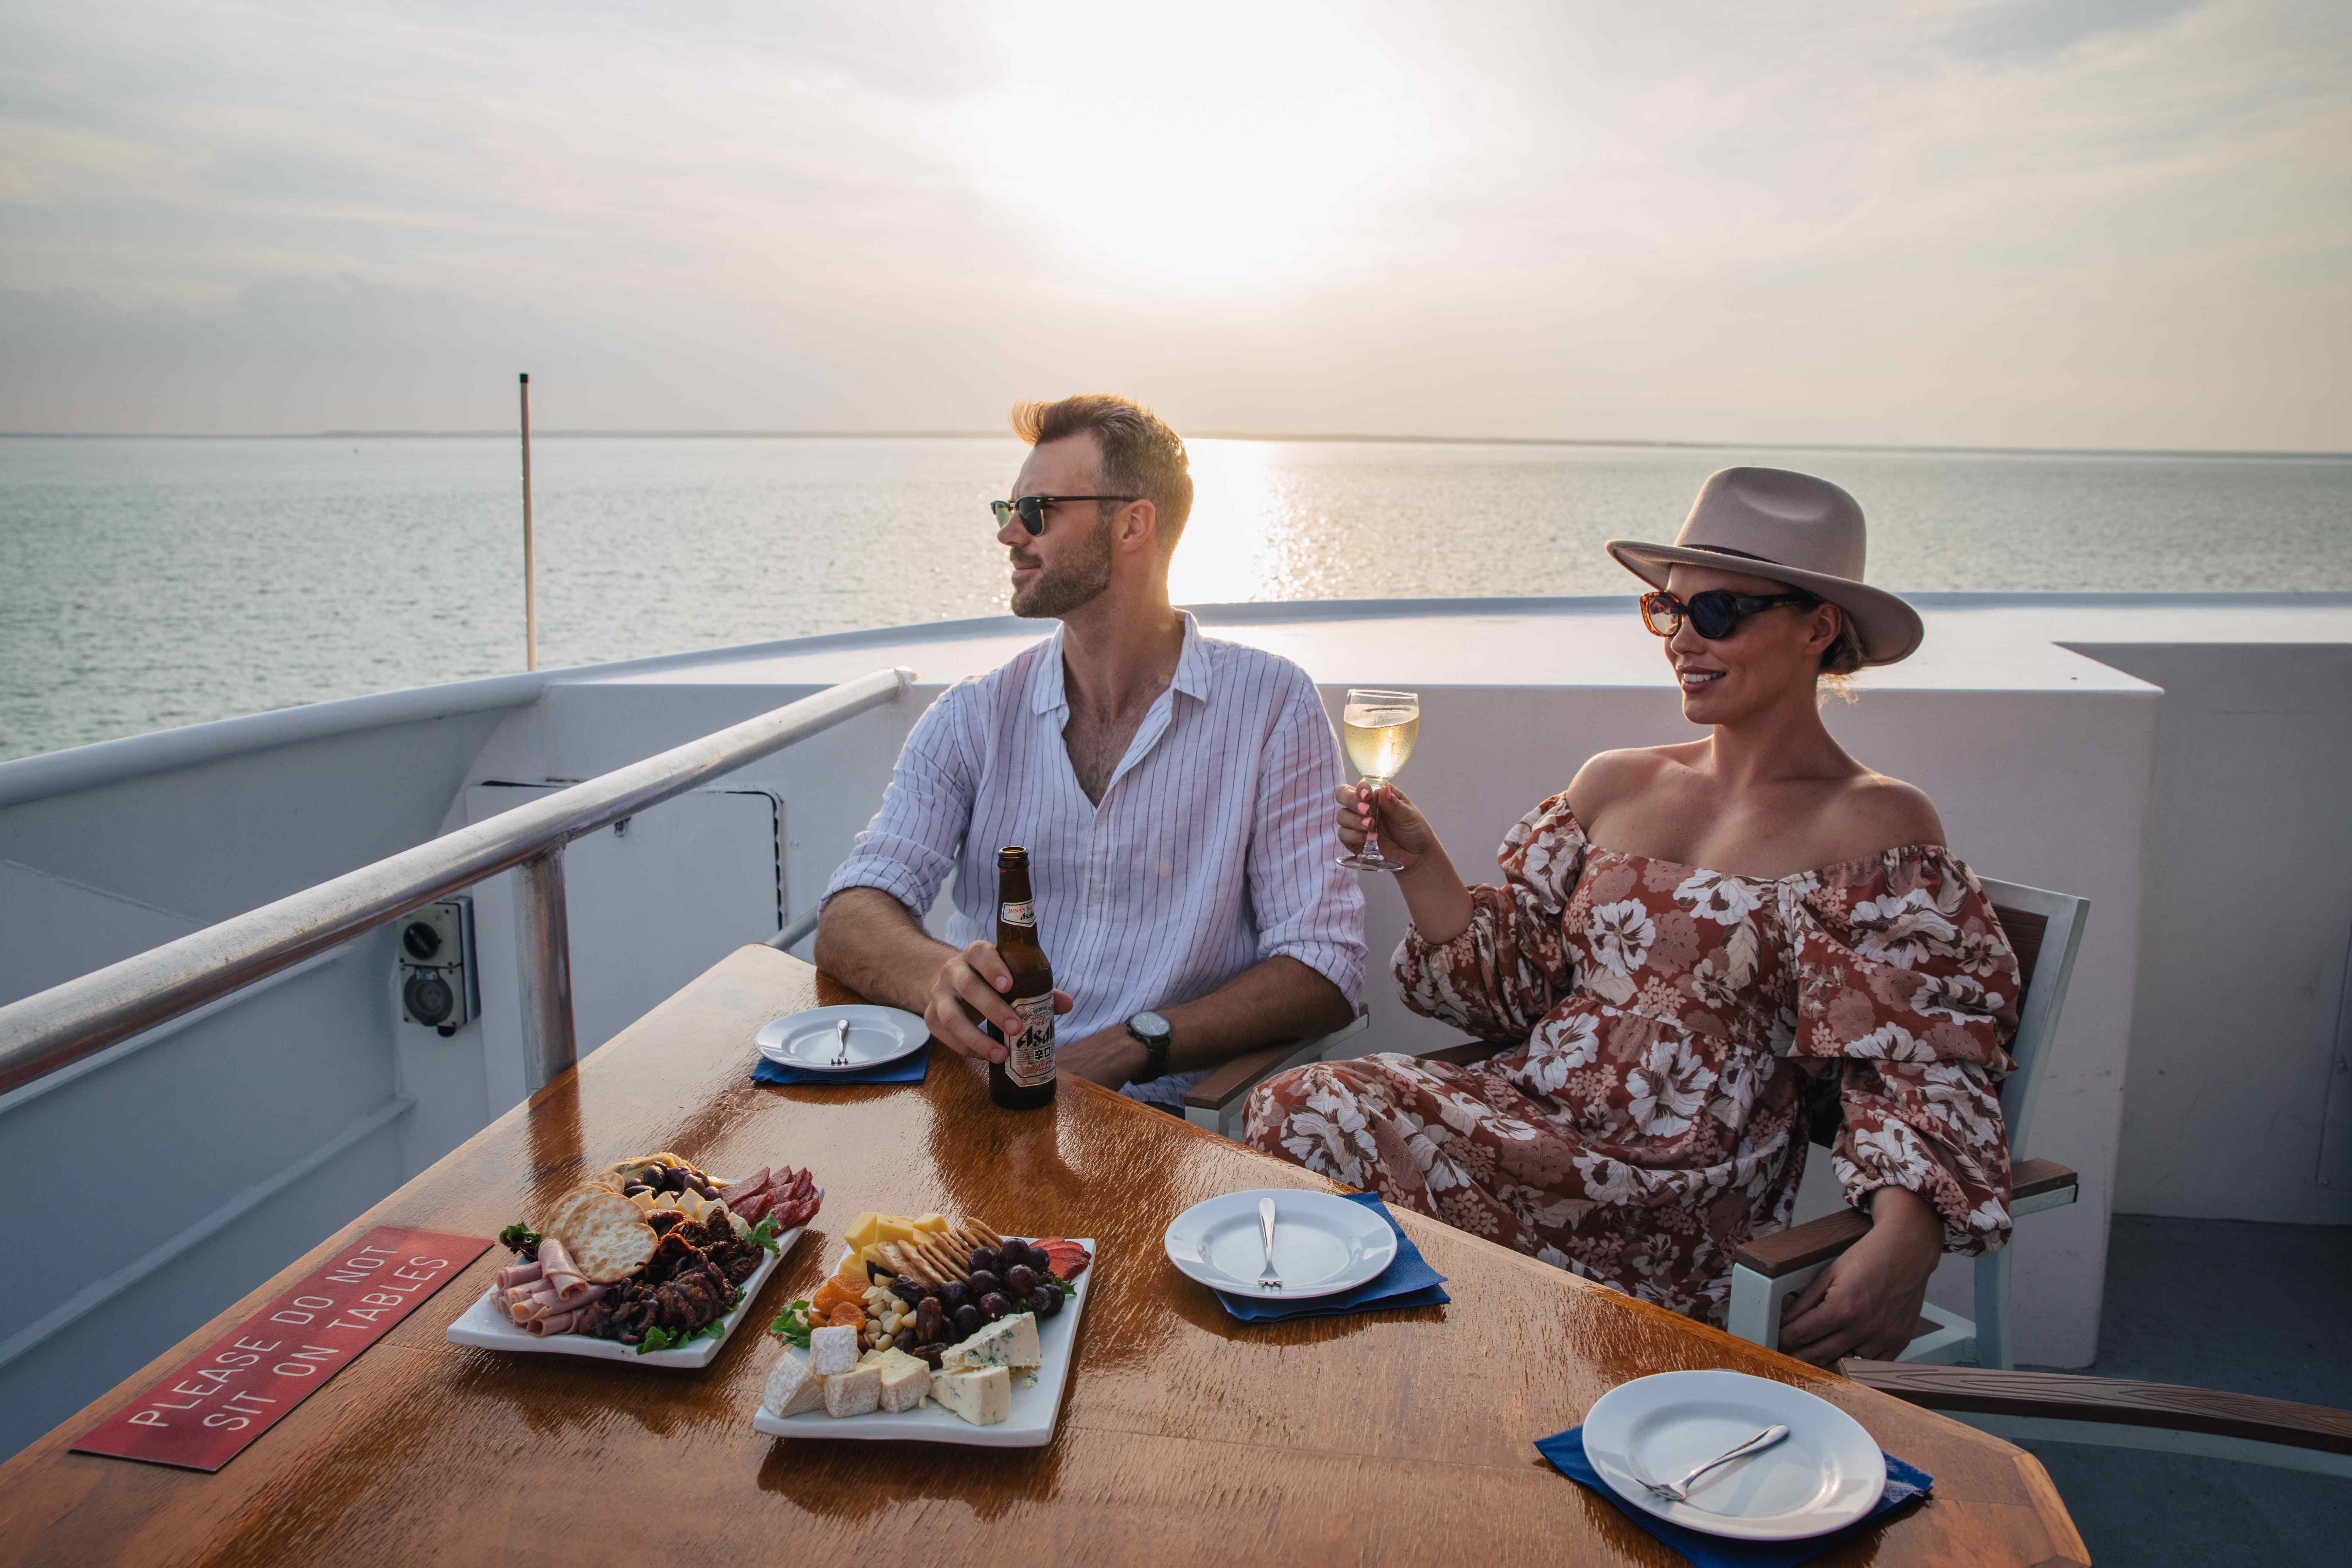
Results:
x,y
1372,849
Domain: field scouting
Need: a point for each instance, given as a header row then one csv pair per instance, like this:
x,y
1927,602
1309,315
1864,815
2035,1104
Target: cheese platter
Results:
x,y
652,1261
981,1354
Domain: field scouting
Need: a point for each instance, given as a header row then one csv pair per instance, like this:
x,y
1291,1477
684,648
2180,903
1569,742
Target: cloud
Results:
x,y
2100,223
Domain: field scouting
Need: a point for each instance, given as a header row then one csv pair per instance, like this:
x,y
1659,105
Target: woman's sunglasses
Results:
x,y
1031,509
1714,615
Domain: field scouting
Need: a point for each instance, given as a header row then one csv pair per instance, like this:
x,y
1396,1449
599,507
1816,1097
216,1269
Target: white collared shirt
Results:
x,y
1213,848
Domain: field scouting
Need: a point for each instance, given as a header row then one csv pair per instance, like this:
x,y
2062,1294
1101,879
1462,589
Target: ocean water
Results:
x,y
146,582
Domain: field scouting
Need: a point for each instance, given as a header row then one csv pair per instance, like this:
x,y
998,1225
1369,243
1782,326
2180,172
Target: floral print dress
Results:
x,y
1653,1117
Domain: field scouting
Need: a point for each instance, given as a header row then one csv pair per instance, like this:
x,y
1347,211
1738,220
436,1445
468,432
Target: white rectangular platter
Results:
x,y
1036,1406
485,1326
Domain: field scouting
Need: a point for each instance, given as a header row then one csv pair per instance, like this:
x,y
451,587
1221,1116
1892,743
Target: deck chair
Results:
x,y
2117,1413
2046,930
1217,1101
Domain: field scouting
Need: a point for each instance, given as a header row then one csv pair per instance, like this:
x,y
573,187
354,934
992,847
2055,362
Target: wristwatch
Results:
x,y
1152,1032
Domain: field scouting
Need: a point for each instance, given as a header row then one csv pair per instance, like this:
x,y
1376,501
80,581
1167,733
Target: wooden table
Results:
x,y
1186,1436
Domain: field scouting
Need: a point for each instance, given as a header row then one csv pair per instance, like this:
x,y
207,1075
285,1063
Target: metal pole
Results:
x,y
530,581
543,944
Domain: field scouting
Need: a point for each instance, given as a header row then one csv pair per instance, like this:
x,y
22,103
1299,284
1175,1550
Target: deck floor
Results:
x,y
2228,1304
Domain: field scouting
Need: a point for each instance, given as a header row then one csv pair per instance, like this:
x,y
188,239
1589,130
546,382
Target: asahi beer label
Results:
x,y
1021,914
1029,1054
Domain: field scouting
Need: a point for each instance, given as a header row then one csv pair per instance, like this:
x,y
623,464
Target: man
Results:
x,y
1173,791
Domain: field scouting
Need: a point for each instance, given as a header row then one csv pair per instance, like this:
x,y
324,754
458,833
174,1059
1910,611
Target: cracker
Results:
x,y
606,1234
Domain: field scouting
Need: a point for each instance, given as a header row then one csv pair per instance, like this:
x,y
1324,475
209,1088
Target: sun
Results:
x,y
1174,152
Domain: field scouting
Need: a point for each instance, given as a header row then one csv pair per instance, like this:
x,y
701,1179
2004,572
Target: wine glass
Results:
x,y
1379,728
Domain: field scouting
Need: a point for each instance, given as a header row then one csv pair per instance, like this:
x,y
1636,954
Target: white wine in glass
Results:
x,y
1379,728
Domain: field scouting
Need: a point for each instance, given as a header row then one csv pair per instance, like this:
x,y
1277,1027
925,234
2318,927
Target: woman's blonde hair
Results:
x,y
1841,660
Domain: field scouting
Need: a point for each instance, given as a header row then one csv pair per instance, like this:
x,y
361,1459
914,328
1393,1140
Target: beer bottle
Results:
x,y
1024,1080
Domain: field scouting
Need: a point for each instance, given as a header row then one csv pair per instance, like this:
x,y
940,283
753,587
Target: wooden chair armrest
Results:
x,y
2032,1178
1236,1078
2061,1397
1801,1246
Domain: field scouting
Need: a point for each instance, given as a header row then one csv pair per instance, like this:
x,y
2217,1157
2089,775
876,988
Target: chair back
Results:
x,y
2045,930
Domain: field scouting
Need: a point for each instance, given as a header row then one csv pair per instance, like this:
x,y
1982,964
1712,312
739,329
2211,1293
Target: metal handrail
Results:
x,y
56,1027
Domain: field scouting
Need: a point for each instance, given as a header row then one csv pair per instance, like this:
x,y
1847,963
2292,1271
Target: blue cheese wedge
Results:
x,y
1008,1341
905,1381
792,1388
856,1393
982,1398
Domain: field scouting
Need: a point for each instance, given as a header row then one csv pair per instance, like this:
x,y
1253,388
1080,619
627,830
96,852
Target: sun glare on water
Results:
x,y
1233,146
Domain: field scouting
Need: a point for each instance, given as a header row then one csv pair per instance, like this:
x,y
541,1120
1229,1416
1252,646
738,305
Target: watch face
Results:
x,y
1150,1024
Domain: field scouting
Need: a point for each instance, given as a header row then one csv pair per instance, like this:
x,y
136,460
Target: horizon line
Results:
x,y
1356,438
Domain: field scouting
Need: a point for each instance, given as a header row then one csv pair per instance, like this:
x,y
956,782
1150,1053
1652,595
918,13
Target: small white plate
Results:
x,y
1322,1244
487,1326
810,1040
1036,1403
1823,1475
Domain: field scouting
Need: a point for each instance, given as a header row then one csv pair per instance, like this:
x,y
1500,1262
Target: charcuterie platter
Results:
x,y
654,1260
931,1331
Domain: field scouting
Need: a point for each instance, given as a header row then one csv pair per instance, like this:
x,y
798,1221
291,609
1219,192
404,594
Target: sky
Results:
x,y
2039,223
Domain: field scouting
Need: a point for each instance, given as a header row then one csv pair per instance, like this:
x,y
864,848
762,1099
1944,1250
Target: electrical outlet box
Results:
x,y
438,987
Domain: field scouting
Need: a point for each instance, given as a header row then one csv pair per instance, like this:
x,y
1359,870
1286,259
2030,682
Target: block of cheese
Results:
x,y
982,1398
832,1350
858,1391
792,1387
894,1227
928,1223
905,1380
860,1234
1008,1341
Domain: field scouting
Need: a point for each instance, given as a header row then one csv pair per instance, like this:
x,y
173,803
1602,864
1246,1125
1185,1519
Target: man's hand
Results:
x,y
1867,1302
968,991
1110,1059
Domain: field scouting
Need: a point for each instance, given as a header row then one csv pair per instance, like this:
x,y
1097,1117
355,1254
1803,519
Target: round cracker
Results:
x,y
606,1234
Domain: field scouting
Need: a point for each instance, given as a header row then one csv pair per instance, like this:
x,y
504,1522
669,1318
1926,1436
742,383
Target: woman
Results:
x,y
1685,940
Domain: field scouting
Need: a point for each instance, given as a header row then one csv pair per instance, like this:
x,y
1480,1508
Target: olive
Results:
x,y
983,1281
1020,1279
954,1294
983,1261
633,1188
968,1319
1045,1300
994,1305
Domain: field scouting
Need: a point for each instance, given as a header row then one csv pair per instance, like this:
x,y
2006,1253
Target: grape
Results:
x,y
1020,1279
1040,1259
983,1281
994,1305
1045,1300
967,1319
983,1261
954,1294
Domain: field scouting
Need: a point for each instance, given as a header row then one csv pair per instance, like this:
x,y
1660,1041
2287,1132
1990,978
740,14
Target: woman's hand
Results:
x,y
1867,1302
1406,835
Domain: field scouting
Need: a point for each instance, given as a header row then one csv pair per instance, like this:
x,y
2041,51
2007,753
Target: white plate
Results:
x,y
1823,1475
487,1326
808,1040
1322,1244
1036,1405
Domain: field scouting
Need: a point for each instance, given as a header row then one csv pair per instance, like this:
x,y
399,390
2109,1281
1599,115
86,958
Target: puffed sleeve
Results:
x,y
1908,987
1511,966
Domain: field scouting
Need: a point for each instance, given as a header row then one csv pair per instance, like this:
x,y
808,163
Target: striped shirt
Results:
x,y
1213,848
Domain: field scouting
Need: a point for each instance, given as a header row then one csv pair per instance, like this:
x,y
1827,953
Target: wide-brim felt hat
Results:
x,y
1791,528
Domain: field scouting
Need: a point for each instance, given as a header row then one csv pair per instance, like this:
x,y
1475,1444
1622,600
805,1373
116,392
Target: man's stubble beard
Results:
x,y
1059,590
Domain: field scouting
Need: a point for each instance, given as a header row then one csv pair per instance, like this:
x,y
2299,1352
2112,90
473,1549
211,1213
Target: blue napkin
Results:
x,y
1409,1281
908,1069
1903,1482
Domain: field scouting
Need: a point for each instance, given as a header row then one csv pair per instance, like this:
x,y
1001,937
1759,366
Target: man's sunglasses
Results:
x,y
1714,615
1031,509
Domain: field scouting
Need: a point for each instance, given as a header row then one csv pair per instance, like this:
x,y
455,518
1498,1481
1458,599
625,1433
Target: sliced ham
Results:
x,y
516,1273
562,1276
561,1324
